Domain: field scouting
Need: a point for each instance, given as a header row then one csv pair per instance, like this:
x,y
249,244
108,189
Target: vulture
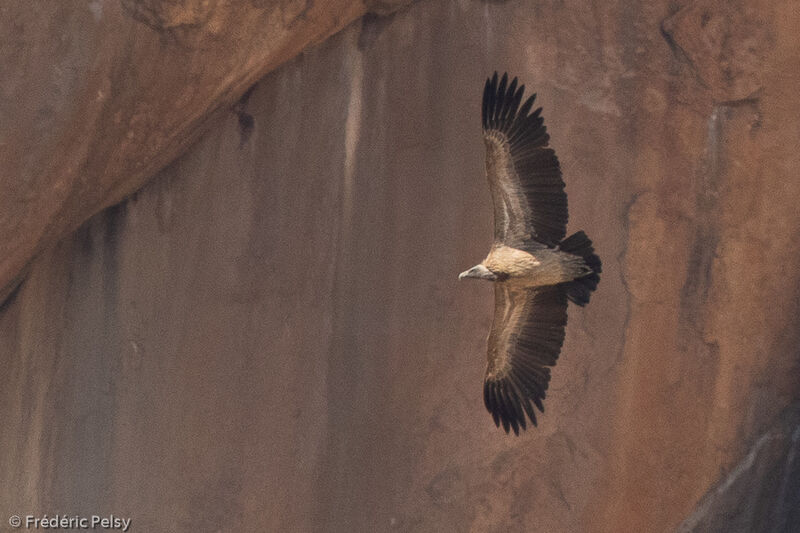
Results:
x,y
535,270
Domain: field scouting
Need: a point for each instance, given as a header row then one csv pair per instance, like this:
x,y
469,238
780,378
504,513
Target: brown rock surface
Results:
x,y
98,95
270,335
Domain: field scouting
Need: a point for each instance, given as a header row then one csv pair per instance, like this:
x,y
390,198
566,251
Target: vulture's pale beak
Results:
x,y
479,272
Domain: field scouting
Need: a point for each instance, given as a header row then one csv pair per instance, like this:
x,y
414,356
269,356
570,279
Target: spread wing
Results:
x,y
525,340
524,174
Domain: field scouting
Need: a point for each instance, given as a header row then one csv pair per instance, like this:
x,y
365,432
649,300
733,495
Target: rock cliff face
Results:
x,y
97,95
270,334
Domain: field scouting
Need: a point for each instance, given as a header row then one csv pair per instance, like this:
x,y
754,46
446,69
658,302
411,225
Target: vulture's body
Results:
x,y
535,270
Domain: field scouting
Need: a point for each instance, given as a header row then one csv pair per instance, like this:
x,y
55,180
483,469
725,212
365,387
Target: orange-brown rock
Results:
x,y
270,335
98,95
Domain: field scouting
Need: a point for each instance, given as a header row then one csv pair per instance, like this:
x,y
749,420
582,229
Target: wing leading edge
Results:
x,y
524,342
523,173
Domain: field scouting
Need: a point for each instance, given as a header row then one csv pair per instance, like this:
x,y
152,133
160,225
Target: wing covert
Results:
x,y
525,341
523,173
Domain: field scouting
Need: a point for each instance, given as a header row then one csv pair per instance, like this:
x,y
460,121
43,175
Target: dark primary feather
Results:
x,y
523,173
525,340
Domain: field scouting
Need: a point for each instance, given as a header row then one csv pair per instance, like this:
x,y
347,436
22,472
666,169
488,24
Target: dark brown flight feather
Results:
x,y
524,174
525,340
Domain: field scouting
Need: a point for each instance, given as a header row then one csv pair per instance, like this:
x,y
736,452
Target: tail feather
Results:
x,y
580,290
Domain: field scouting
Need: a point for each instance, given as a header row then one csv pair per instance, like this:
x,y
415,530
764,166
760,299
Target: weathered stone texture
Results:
x,y
270,335
98,95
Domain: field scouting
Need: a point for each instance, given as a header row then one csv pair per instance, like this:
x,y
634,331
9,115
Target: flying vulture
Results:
x,y
534,269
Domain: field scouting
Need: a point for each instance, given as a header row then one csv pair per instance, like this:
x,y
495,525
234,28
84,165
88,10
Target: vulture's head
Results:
x,y
479,272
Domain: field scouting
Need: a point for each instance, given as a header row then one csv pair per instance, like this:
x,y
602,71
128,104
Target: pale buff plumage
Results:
x,y
547,267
